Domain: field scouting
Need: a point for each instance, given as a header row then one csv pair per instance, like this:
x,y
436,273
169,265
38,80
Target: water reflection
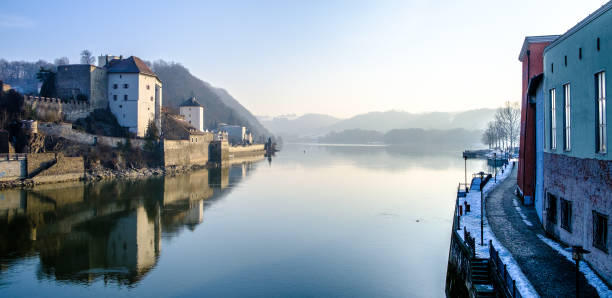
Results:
x,y
108,230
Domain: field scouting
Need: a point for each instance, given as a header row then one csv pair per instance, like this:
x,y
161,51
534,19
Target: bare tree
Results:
x,y
503,131
87,57
61,61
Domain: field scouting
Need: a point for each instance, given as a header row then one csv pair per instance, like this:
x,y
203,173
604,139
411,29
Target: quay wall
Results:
x,y
187,152
240,151
64,169
219,151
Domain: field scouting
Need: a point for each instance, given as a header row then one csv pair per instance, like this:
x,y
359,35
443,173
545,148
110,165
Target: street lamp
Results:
x,y
577,252
465,168
481,208
495,165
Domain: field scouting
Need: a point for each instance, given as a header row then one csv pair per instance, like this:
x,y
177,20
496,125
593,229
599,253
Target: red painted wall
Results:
x,y
532,65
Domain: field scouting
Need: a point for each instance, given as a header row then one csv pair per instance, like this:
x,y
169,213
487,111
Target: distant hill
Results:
x,y
414,137
312,126
219,105
385,121
307,124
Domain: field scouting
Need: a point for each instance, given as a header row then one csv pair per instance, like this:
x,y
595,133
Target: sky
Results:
x,y
340,58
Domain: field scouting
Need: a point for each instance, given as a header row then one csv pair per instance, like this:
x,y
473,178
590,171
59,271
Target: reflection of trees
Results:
x,y
110,230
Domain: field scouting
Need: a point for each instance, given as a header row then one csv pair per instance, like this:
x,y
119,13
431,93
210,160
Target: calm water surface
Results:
x,y
335,221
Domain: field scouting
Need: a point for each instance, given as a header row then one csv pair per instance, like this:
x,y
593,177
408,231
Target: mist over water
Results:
x,y
341,221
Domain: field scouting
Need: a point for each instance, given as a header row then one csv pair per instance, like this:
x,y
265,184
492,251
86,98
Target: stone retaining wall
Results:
x,y
187,152
240,151
12,170
65,130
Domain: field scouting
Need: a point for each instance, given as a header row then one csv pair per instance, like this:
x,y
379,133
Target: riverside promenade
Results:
x,y
518,228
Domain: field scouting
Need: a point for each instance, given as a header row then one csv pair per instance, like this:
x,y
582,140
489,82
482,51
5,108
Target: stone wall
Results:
x,y
12,169
65,130
187,152
240,151
36,162
219,151
587,184
54,109
82,79
65,169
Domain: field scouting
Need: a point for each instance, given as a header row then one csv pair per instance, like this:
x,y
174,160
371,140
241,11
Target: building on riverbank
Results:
x,y
532,63
193,112
573,164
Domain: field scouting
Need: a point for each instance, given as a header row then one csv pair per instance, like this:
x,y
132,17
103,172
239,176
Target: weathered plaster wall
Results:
x,y
12,169
587,183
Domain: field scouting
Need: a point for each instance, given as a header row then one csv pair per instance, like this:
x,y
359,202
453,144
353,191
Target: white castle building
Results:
x,y
128,87
193,112
134,94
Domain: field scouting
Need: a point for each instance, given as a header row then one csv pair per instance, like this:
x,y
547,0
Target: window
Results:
x,y
552,67
567,131
115,97
600,231
553,121
151,98
598,47
125,97
120,106
565,60
580,53
566,215
148,87
114,86
551,209
600,82
125,86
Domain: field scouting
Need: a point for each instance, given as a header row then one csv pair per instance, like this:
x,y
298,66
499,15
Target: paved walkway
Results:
x,y
550,273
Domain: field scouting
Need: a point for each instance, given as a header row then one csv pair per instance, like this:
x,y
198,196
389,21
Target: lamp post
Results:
x,y
495,165
577,252
481,208
465,169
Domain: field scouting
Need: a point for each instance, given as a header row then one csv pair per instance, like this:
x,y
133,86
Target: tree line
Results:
x,y
503,131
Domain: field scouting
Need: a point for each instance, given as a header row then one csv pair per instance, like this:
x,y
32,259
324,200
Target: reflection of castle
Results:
x,y
111,230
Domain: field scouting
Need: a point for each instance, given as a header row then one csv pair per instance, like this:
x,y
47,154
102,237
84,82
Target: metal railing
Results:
x,y
502,273
470,241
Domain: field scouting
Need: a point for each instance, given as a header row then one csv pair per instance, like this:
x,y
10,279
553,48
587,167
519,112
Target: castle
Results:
x,y
128,87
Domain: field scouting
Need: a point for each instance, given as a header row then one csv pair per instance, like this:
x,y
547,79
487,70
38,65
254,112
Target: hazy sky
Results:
x,y
336,57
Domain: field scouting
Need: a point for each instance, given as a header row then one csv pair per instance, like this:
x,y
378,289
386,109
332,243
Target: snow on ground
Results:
x,y
591,276
471,221
520,212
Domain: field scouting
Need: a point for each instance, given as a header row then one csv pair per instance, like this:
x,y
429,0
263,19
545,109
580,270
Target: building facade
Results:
x,y
134,94
573,160
193,112
532,65
235,133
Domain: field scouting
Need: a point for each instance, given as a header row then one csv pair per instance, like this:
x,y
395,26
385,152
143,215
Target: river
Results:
x,y
316,220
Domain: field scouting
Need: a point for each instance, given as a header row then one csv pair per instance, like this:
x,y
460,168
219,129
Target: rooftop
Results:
x,y
603,9
535,39
130,65
191,102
